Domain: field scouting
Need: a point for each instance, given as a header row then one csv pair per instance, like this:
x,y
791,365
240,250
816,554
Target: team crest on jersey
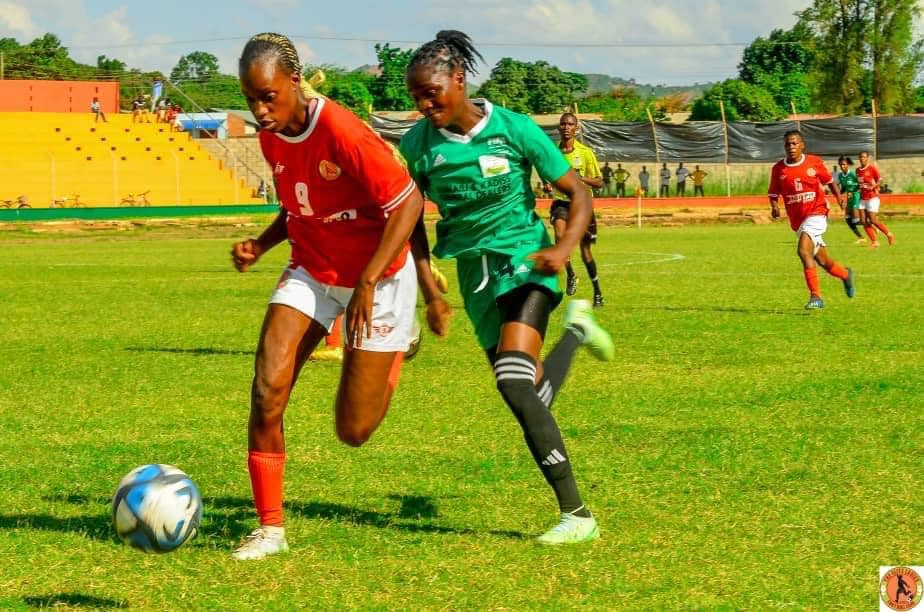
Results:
x,y
278,169
811,172
329,170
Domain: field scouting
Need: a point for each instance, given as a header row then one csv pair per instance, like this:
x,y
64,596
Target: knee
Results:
x,y
354,434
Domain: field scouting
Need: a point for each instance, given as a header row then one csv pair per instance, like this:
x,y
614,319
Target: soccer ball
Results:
x,y
156,508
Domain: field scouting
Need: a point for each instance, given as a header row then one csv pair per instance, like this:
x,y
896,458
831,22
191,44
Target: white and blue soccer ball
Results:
x,y
156,508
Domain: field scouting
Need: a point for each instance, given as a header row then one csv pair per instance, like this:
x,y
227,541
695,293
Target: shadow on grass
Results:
x,y
72,600
95,526
186,351
765,311
238,515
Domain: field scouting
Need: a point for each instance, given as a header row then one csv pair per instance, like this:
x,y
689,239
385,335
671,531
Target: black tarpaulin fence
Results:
x,y
704,141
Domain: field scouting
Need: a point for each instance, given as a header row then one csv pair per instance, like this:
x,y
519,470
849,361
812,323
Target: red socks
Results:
x,y
882,227
837,270
266,471
871,232
335,337
811,279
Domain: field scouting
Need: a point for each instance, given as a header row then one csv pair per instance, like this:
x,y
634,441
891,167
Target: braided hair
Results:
x,y
451,50
271,45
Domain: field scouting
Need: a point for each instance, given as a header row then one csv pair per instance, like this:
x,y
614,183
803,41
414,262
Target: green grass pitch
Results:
x,y
739,453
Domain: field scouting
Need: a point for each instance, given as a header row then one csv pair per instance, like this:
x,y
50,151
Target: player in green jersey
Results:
x,y
474,160
850,188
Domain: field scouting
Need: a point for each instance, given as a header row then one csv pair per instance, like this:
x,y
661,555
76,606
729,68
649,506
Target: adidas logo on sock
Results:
x,y
554,458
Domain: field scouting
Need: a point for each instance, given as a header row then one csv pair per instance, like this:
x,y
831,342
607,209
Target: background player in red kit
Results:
x,y
868,177
800,179
349,208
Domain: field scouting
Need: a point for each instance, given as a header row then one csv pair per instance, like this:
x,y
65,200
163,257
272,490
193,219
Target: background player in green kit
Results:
x,y
850,188
474,160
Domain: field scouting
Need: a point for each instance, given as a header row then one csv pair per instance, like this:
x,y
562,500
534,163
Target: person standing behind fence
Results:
x,y
643,178
621,175
869,178
698,176
682,174
665,175
95,108
800,179
850,196
607,174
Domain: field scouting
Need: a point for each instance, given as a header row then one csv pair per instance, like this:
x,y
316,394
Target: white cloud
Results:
x,y
16,21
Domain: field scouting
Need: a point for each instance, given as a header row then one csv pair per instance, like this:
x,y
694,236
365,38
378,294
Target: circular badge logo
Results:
x,y
901,588
329,170
811,172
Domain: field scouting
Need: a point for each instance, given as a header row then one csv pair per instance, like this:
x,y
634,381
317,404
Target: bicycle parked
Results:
x,y
137,199
20,202
71,201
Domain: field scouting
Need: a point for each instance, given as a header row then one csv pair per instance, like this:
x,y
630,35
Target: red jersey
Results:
x,y
801,185
868,176
337,182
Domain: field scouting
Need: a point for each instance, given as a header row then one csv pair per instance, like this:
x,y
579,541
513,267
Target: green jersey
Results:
x,y
848,181
481,181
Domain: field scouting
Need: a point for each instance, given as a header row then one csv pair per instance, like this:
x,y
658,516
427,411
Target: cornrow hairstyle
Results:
x,y
451,50
271,45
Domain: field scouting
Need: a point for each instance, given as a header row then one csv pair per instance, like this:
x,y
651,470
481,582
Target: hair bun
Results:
x,y
450,35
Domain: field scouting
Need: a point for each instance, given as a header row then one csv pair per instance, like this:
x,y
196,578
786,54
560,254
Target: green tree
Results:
x,y
743,102
896,57
532,87
388,89
196,66
347,88
864,49
622,104
110,65
780,64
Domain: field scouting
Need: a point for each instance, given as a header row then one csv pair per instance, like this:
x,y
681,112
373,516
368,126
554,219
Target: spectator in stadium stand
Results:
x,y
682,174
607,173
643,178
161,115
698,175
620,175
665,175
95,108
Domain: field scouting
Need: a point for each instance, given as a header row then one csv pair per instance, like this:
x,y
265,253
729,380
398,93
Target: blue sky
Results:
x,y
578,35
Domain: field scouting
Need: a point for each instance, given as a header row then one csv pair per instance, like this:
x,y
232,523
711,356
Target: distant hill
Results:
x,y
603,83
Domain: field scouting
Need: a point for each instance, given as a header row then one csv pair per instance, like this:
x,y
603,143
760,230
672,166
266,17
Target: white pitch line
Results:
x,y
658,258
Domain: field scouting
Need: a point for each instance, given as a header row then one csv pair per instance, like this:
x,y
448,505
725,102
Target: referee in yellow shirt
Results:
x,y
584,162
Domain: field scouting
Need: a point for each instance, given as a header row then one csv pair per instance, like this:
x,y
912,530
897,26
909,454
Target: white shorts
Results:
x,y
814,227
393,309
872,205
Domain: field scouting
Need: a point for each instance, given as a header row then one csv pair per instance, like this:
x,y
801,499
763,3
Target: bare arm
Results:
x,y
438,311
246,253
595,182
553,259
397,232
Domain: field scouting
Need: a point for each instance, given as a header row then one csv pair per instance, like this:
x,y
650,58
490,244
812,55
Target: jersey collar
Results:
x,y
304,135
798,163
477,129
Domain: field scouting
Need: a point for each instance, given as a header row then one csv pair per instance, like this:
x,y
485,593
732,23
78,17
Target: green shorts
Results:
x,y
853,201
484,279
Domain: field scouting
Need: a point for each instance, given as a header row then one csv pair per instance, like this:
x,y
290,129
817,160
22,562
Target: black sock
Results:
x,y
555,367
592,272
569,270
516,372
853,223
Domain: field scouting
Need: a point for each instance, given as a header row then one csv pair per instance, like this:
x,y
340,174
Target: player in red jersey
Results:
x,y
349,208
868,176
800,179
